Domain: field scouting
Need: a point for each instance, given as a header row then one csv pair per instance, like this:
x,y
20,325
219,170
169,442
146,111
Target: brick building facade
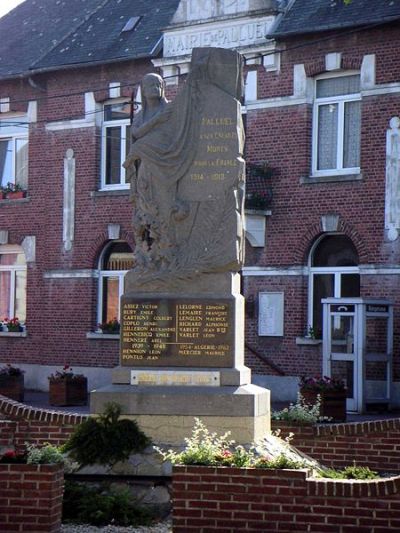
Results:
x,y
321,99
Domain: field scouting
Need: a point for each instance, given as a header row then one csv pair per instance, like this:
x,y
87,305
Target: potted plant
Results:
x,y
332,395
12,325
14,191
258,201
12,382
37,476
111,327
67,388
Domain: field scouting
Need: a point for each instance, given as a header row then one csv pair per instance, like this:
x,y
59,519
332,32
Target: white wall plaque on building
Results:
x,y
392,201
270,314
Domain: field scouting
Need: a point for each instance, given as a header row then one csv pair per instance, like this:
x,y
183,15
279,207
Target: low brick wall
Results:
x,y
31,497
22,423
375,443
231,500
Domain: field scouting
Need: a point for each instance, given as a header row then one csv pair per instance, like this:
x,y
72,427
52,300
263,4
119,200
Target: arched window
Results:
x,y
334,272
12,282
115,260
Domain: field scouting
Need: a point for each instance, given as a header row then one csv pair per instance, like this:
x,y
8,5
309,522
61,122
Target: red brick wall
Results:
x,y
375,443
20,423
229,500
31,497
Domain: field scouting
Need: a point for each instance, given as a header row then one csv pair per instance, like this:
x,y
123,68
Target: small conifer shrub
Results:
x,y
106,439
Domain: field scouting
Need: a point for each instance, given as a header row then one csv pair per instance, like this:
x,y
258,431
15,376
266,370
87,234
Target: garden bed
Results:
x,y
230,499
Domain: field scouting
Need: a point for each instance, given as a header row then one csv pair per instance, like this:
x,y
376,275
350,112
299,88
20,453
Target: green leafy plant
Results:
x,y
12,187
202,448
12,324
257,200
321,384
350,472
106,439
38,455
66,373
209,449
101,506
10,370
47,454
113,326
301,412
311,333
280,462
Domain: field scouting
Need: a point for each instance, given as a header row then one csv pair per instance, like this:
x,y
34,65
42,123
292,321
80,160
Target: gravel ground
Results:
x,y
161,527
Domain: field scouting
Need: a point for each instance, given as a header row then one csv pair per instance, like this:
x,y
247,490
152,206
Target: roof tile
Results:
x,y
310,16
51,34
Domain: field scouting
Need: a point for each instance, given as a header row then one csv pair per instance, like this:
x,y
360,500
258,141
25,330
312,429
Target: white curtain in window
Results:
x,y
351,141
113,155
20,295
327,136
21,162
5,162
338,86
5,304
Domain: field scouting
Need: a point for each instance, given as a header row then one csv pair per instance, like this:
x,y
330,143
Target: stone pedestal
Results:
x,y
167,413
182,358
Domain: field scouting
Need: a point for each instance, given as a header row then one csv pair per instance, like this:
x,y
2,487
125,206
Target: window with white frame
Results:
x,y
14,152
334,272
336,125
116,259
12,283
115,144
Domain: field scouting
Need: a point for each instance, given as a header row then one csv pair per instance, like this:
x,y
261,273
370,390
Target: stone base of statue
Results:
x,y
181,358
167,413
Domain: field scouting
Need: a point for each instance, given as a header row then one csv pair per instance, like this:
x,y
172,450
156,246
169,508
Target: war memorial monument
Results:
x,y
182,314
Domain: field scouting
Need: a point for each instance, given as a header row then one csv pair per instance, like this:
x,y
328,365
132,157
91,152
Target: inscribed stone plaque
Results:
x,y
177,332
270,316
175,377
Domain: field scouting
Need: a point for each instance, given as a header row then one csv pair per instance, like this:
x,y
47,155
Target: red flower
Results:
x,y
10,454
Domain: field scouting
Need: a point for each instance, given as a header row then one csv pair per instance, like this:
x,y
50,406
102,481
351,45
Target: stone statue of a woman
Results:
x,y
187,173
150,217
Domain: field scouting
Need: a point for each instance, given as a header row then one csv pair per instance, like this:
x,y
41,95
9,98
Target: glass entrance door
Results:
x,y
340,349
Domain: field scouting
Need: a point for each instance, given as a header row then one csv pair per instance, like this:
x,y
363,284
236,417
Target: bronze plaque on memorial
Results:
x,y
178,332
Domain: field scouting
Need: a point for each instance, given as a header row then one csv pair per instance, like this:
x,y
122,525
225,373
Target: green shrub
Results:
x,y
100,506
350,472
280,462
209,449
46,454
106,439
301,412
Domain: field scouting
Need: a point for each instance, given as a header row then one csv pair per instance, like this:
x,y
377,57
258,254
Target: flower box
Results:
x,y
32,496
12,387
110,328
2,195
68,391
333,402
207,499
12,325
15,195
